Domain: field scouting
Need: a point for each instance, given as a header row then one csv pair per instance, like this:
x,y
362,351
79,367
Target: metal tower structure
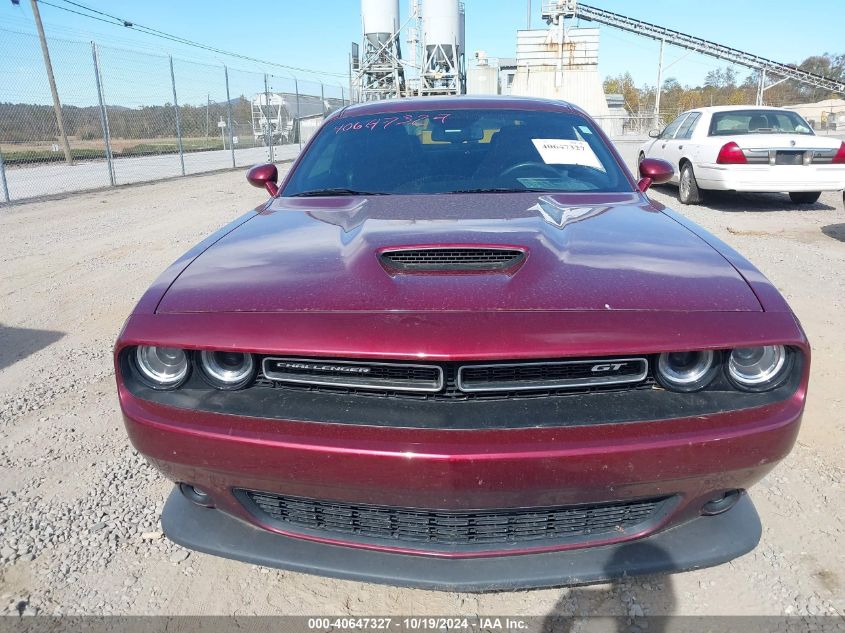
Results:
x,y
443,70
573,8
380,73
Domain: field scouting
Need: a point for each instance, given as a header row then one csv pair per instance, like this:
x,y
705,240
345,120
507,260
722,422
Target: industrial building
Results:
x,y
559,61
284,117
823,115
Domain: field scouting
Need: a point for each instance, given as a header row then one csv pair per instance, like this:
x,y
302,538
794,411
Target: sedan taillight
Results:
x,y
839,159
731,154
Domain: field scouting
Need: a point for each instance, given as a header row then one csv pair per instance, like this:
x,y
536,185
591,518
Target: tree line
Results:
x,y
26,122
724,86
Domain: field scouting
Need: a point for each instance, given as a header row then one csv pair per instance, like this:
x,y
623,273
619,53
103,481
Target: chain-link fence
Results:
x,y
133,117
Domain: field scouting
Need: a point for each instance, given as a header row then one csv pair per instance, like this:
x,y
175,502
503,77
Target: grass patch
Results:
x,y
145,148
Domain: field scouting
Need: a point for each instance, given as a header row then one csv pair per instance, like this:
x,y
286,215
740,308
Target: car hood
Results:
x,y
583,252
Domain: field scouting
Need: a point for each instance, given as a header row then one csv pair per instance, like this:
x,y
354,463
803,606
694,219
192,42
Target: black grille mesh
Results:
x,y
450,390
446,259
550,372
452,528
375,371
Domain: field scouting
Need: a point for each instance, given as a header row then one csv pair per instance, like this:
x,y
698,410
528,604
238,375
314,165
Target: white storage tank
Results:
x,y
441,23
380,20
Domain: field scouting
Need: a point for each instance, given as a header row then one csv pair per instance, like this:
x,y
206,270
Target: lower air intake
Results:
x,y
451,528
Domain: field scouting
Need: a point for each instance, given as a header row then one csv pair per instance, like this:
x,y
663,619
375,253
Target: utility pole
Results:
x,y
659,86
761,87
57,106
528,18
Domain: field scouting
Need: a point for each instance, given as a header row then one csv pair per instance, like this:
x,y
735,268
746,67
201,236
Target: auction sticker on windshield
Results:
x,y
563,152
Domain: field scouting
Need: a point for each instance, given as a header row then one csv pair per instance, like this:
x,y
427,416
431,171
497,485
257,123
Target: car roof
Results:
x,y
733,108
462,102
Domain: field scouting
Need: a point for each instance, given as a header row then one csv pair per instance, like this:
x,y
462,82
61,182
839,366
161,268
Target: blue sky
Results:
x,y
317,34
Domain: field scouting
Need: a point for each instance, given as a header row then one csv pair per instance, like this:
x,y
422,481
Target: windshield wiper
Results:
x,y
502,190
317,193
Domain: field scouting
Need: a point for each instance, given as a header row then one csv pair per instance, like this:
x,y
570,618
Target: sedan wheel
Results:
x,y
688,190
805,197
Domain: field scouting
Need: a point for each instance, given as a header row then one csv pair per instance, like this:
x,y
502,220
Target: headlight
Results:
x,y
227,370
162,367
687,371
758,368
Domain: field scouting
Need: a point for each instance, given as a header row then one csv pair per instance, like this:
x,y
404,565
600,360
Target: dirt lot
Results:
x,y
79,510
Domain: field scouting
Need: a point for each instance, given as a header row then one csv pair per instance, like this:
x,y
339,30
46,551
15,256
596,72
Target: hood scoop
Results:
x,y
451,259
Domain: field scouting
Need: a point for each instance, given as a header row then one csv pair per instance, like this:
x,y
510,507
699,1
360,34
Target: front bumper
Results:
x,y
692,460
540,463
700,542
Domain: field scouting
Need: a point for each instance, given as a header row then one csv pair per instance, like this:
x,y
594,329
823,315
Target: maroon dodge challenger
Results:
x,y
460,348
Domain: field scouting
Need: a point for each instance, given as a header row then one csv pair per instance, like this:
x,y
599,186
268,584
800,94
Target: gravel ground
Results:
x,y
79,509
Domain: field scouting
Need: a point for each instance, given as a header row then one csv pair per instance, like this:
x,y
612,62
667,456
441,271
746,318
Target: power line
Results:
x,y
118,21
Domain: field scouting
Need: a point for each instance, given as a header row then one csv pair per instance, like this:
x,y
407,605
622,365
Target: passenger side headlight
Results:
x,y
758,368
687,371
162,367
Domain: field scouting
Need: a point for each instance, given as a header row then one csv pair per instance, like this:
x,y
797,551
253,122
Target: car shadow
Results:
x,y
622,603
17,343
747,202
836,231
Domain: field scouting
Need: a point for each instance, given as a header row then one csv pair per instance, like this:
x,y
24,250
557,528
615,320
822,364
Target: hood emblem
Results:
x,y
559,216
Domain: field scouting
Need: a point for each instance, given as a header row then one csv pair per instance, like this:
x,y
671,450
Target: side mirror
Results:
x,y
654,171
264,176
654,134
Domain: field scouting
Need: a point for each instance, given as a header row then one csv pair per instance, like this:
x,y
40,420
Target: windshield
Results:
x,y
758,122
457,151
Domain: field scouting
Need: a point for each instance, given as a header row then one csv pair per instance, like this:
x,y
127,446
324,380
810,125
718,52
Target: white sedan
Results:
x,y
748,148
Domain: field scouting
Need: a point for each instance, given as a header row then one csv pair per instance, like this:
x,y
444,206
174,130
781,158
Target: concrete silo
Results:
x,y
443,70
380,74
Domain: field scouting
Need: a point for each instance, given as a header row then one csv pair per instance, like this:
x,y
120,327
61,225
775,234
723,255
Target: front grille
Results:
x,y
455,380
452,259
355,374
450,528
551,375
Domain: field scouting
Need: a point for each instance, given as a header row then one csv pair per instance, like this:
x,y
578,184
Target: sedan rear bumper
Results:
x,y
700,542
767,178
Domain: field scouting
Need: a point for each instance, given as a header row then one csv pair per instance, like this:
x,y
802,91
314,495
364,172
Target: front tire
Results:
x,y
805,197
688,191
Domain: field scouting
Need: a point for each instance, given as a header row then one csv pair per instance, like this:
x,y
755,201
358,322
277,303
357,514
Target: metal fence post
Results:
x,y
298,113
3,178
268,130
229,114
176,110
104,120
